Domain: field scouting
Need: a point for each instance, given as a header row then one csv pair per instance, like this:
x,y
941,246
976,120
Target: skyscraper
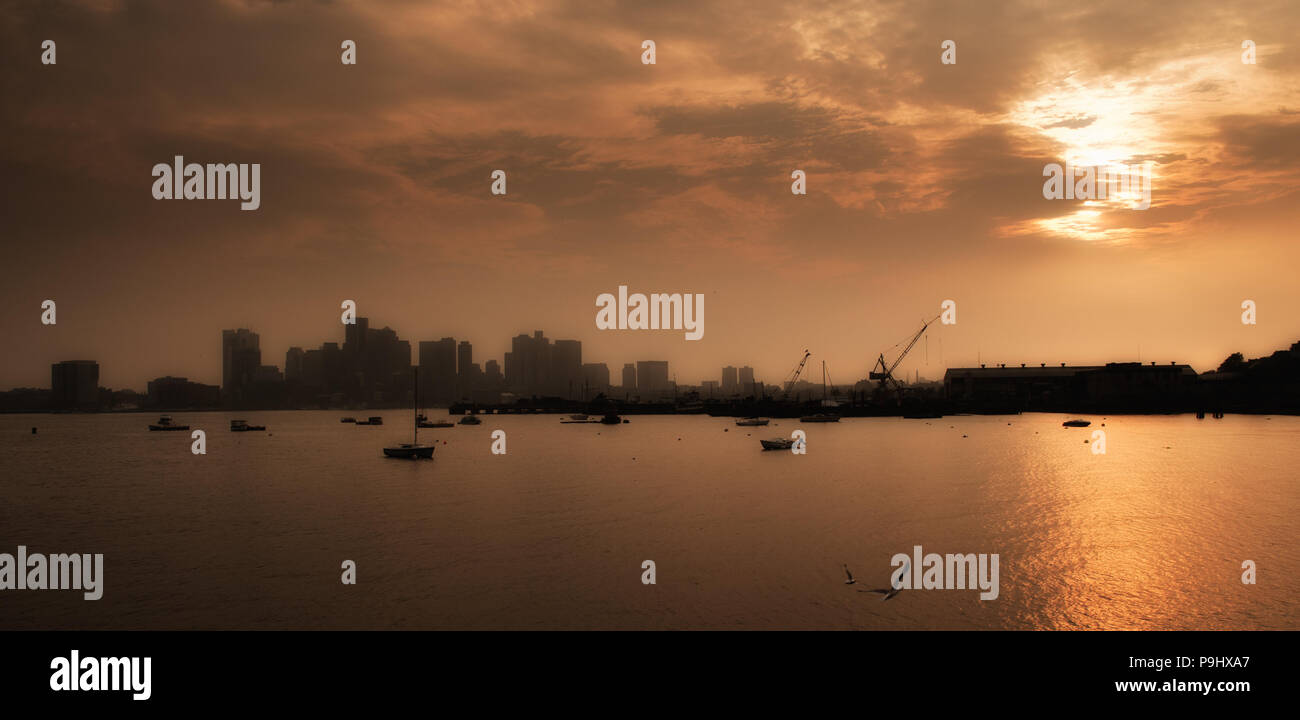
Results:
x,y
566,369
746,380
74,385
652,378
595,380
466,375
629,379
438,371
729,384
240,358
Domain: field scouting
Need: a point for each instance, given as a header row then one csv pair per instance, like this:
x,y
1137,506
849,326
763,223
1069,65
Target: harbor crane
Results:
x,y
793,377
884,371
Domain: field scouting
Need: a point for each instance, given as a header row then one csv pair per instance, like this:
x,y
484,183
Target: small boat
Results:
x,y
165,423
243,426
777,444
611,418
752,422
347,420
578,422
1077,423
412,450
820,418
372,420
578,416
470,420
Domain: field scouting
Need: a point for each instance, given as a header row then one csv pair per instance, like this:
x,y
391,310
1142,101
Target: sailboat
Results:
x,y
412,450
822,417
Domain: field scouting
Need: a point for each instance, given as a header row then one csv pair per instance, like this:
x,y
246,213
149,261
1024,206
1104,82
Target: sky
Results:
x,y
924,179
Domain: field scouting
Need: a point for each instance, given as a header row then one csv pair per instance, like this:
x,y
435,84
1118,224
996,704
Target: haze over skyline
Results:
x,y
924,180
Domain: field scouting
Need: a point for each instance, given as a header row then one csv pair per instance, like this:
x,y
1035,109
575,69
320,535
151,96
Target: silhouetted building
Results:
x,y
178,393
437,371
746,381
240,358
566,369
528,365
293,364
466,372
595,380
74,385
629,379
1114,387
652,378
729,383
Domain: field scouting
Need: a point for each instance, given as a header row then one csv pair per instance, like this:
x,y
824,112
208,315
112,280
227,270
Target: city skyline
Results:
x,y
924,180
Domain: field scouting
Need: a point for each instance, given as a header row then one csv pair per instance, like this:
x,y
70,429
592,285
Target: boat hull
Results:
x,y
409,452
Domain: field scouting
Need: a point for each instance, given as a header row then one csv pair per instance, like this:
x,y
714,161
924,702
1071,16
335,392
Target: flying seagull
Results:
x,y
888,592
849,575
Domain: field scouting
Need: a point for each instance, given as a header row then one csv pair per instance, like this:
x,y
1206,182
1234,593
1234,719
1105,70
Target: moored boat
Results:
x,y
372,420
412,450
777,444
165,423
1076,423
470,420
243,426
752,422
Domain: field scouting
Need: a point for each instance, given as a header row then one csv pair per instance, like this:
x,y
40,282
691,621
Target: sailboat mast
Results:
x,y
415,405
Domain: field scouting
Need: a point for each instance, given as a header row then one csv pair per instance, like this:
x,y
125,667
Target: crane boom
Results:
x,y
884,371
794,375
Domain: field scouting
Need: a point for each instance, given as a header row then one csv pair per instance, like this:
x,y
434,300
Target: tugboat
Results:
x,y
243,426
412,450
752,422
165,423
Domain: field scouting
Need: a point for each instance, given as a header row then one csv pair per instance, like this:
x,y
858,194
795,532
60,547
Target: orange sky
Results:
x,y
924,180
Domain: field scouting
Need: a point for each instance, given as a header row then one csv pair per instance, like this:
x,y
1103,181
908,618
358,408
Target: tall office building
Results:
x,y
240,358
629,379
746,380
566,369
74,385
729,384
293,360
466,372
595,380
437,371
652,378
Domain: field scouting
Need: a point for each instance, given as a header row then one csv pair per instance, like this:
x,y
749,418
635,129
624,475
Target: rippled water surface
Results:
x,y
1150,535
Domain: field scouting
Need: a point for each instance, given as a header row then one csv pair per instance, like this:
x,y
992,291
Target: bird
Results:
x,y
889,592
849,575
